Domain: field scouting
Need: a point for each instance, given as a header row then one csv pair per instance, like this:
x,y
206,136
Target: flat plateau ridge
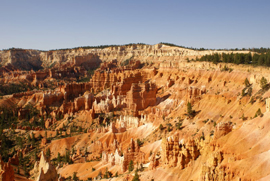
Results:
x,y
119,113
31,59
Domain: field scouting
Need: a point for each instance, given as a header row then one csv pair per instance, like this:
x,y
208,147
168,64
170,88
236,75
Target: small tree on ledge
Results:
x,y
136,176
246,82
190,112
130,166
263,82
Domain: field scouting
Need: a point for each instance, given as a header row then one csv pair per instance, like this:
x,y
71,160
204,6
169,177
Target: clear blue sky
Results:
x,y
53,24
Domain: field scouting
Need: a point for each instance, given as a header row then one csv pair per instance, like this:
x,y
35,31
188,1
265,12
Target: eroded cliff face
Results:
x,y
136,111
35,59
21,59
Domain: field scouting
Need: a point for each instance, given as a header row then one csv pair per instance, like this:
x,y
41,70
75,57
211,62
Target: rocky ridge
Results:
x,y
35,59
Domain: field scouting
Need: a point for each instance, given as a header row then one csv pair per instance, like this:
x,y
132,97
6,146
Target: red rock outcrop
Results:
x,y
72,90
51,98
6,171
141,96
84,102
15,159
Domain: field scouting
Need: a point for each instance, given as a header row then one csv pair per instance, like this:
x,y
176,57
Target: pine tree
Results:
x,y
39,137
106,173
36,158
80,129
25,170
75,178
136,176
42,122
258,113
246,82
130,166
160,127
189,109
28,138
19,142
58,158
267,61
33,139
48,153
20,158
261,60
72,151
67,157
263,82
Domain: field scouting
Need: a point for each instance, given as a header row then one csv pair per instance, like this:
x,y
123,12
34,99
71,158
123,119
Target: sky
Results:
x,y
55,24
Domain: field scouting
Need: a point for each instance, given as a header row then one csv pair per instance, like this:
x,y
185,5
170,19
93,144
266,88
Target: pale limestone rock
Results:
x,y
43,170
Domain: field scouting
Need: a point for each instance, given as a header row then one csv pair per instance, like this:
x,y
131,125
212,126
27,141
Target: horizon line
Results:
x,y
119,45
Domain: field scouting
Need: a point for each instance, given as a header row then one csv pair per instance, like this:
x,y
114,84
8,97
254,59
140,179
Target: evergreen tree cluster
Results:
x,y
100,46
11,88
262,59
65,158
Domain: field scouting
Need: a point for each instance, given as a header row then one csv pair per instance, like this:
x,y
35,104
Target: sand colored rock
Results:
x,y
84,102
222,129
179,153
43,170
154,161
90,61
133,153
